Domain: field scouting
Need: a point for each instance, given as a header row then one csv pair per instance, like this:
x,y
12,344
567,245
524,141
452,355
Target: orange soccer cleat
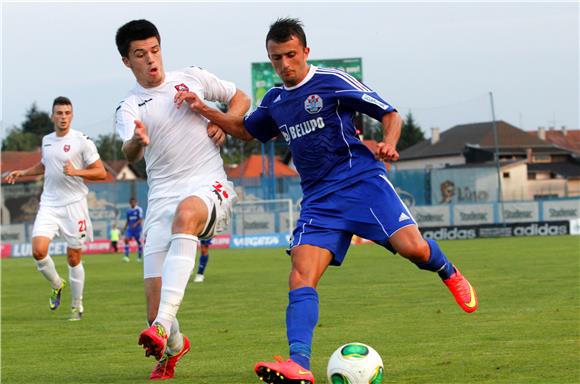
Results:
x,y
287,372
165,368
462,291
154,340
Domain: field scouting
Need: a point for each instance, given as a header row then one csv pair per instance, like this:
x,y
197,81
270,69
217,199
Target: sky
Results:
x,y
438,60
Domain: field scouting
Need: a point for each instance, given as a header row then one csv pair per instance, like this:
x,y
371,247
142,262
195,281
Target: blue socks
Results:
x,y
140,254
203,259
301,319
437,261
127,249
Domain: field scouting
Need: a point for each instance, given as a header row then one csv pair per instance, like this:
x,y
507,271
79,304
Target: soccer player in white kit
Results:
x,y
189,197
68,157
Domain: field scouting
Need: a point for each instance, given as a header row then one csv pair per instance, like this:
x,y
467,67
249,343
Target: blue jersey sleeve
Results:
x,y
260,123
369,103
355,95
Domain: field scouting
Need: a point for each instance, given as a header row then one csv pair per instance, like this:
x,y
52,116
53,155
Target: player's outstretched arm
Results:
x,y
387,149
239,104
135,146
231,122
37,169
95,171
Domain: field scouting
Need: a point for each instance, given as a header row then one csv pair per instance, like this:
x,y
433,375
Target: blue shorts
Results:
x,y
205,242
369,208
133,234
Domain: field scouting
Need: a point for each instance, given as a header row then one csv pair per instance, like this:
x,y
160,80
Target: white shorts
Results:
x,y
71,221
219,198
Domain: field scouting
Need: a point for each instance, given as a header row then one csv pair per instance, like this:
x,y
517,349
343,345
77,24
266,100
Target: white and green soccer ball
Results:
x,y
355,363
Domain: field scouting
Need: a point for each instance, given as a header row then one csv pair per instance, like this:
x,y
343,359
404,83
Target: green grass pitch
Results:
x,y
525,331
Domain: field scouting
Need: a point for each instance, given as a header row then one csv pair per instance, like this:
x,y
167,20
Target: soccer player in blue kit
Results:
x,y
133,228
203,260
345,186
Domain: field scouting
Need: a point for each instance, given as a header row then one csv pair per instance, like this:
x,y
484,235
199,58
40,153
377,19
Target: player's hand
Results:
x,y
386,152
190,98
216,134
12,176
140,134
69,169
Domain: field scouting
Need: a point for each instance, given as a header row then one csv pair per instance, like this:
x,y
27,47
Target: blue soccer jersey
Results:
x,y
133,216
316,118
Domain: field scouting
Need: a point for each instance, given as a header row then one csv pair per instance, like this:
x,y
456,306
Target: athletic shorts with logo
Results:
x,y
133,233
219,198
206,242
71,222
369,208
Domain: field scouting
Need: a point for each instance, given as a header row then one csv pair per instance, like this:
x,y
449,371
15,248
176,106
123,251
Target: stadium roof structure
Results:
x,y
566,138
565,170
252,167
453,142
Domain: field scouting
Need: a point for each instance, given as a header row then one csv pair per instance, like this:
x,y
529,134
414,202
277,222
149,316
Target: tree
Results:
x,y
20,141
411,133
29,135
37,122
109,147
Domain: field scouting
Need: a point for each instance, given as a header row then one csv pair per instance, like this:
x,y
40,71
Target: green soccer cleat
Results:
x,y
54,299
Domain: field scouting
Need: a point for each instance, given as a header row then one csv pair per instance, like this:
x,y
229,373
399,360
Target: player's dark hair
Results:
x,y
61,100
135,30
284,28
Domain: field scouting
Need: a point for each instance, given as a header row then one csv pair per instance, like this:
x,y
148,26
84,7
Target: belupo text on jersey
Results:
x,y
301,129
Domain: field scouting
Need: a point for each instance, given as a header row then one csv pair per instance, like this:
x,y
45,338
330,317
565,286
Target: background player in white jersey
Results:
x,y
68,157
345,186
190,197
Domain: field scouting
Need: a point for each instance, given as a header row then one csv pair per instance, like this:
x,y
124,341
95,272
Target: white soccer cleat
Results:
x,y
76,313
199,278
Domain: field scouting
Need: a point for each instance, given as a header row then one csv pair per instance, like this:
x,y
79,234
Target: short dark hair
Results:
x,y
61,100
135,30
284,28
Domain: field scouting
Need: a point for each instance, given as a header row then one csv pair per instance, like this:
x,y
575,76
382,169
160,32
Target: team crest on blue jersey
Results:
x,y
313,104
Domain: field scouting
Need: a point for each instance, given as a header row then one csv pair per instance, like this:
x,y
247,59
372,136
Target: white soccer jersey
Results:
x,y
180,153
60,189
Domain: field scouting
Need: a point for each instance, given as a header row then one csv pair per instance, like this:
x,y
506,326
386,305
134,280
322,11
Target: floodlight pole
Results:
x,y
496,157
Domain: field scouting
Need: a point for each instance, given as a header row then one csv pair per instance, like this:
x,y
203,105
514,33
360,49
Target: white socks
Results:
x,y
48,270
177,269
76,277
175,339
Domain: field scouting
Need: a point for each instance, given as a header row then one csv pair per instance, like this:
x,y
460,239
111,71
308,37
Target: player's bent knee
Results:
x,y
300,279
38,254
188,220
416,250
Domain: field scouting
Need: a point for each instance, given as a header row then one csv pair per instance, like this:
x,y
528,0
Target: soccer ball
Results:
x,y
355,363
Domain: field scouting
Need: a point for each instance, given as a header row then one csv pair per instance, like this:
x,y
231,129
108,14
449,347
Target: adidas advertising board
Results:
x,y
553,228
